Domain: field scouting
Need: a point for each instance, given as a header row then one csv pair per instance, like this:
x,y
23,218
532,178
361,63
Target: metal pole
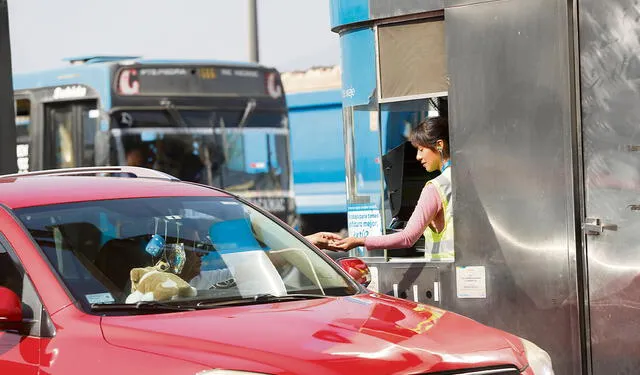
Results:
x,y
254,48
8,159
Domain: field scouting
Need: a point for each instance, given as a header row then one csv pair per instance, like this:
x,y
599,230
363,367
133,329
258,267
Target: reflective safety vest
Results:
x,y
439,246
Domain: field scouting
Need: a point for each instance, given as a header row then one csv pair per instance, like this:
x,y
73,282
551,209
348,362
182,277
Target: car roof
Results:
x,y
27,191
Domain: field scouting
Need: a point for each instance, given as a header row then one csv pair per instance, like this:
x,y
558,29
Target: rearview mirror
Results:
x,y
357,269
10,309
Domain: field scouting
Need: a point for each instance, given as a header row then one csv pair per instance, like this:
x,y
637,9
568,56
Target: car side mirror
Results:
x,y
357,269
10,309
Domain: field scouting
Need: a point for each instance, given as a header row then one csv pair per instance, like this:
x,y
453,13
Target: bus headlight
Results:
x,y
538,359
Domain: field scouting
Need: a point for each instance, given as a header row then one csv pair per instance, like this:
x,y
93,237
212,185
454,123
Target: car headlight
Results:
x,y
228,372
538,359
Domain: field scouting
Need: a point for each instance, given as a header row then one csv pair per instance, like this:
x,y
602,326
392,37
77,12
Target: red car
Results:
x,y
104,274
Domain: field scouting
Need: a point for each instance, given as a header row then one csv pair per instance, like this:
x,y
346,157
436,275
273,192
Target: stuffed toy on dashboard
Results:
x,y
151,284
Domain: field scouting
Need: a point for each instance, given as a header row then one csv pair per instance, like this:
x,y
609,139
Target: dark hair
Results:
x,y
429,131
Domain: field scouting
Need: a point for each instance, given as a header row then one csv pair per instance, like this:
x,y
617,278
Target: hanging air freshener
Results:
x,y
156,243
177,257
176,253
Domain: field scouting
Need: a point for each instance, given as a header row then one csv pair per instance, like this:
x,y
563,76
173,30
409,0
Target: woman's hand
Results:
x,y
349,243
324,240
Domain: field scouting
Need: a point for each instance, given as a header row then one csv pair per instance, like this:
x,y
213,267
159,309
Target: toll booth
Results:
x,y
541,97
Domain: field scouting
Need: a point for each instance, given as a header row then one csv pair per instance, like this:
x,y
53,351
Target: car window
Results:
x,y
10,275
111,251
13,277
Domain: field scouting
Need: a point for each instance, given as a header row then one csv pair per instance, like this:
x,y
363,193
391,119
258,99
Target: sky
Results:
x,y
293,34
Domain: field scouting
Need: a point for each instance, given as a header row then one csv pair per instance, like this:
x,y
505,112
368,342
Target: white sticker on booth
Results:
x,y
373,285
374,122
471,282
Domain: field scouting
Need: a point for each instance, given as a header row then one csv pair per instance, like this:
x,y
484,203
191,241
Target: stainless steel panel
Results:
x,y
610,73
415,281
511,137
457,3
386,8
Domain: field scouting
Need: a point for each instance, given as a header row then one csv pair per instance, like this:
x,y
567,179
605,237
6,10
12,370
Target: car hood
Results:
x,y
368,333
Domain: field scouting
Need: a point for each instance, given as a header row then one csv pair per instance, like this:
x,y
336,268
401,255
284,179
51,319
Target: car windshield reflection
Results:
x,y
191,249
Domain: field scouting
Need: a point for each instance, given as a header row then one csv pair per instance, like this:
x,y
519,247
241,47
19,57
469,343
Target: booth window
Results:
x,y
404,176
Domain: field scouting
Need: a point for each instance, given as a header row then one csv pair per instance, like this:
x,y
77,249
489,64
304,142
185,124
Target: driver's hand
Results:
x,y
324,240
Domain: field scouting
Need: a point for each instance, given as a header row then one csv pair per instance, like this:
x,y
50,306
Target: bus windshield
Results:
x,y
193,147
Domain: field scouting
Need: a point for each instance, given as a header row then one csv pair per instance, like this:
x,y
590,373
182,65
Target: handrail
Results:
x,y
135,172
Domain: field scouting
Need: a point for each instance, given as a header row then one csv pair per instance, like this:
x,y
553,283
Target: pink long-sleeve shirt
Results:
x,y
428,210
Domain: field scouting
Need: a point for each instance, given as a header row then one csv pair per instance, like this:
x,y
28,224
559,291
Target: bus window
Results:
x,y
23,140
206,146
60,131
70,132
89,117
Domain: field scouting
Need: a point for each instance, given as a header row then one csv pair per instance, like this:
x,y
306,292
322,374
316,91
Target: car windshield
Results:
x,y
191,249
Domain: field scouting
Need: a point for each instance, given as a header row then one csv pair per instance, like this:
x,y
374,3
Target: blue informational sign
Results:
x,y
364,220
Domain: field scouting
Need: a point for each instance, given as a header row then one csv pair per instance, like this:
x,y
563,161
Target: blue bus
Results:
x,y
223,124
317,148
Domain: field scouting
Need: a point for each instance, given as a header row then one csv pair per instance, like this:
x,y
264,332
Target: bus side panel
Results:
x,y
317,151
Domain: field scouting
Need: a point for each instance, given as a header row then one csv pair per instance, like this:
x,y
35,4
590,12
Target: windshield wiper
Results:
x,y
140,306
167,307
174,113
266,297
248,109
258,299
